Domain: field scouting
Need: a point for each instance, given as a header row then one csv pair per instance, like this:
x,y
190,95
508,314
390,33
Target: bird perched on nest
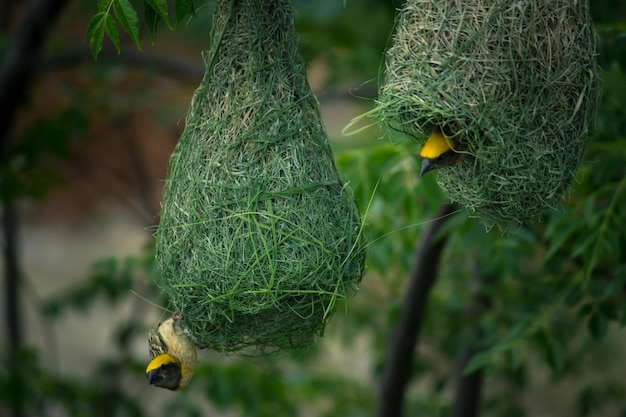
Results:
x,y
173,354
440,150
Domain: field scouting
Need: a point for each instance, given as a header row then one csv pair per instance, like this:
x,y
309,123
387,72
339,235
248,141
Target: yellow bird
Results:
x,y
440,150
173,354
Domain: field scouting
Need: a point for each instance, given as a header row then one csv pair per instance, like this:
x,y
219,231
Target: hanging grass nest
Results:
x,y
259,237
516,82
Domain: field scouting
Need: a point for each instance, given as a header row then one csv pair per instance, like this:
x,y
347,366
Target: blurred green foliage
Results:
x,y
27,170
557,288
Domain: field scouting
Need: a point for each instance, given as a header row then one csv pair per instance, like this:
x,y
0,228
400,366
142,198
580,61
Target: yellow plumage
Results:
x,y
436,145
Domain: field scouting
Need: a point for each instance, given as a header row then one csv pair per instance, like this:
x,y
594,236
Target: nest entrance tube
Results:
x,y
259,237
514,80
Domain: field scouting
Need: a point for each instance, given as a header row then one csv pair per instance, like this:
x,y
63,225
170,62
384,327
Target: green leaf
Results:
x,y
127,16
586,310
113,32
183,9
504,347
151,19
574,296
95,33
584,244
479,360
598,325
596,288
622,321
104,5
555,354
160,7
482,359
561,237
514,359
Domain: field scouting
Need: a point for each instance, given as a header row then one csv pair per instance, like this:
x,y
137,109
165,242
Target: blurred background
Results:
x,y
84,153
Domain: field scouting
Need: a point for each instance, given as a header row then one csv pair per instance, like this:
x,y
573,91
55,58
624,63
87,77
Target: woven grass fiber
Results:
x,y
259,237
516,81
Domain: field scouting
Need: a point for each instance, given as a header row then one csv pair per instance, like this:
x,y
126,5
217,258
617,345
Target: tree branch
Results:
x,y
405,335
15,77
12,274
468,388
16,70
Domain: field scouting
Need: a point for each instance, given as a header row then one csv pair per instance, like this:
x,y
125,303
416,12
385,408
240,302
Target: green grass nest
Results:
x,y
516,79
258,237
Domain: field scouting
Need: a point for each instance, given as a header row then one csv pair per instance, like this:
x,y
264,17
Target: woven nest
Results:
x,y
515,80
259,237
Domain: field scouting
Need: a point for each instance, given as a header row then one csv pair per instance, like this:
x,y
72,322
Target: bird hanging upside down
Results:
x,y
440,150
173,354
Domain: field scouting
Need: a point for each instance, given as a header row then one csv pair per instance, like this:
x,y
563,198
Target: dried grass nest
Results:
x,y
259,237
516,79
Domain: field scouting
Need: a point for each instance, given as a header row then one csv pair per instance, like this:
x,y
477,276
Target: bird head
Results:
x,y
439,151
166,371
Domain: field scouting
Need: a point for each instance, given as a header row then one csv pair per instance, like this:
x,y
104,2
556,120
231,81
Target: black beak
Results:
x,y
426,166
153,377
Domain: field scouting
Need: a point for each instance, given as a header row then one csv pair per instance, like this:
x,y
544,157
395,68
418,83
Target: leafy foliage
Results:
x,y
325,29
35,391
386,178
112,13
27,168
110,278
